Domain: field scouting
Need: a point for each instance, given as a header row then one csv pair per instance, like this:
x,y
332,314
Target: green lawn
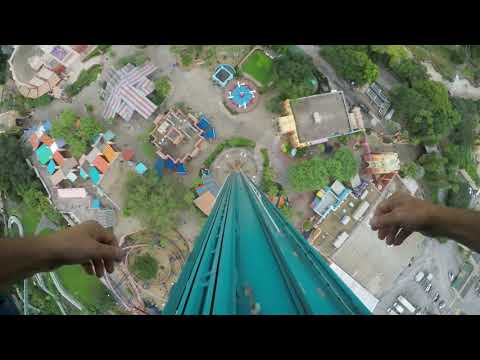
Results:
x,y
46,232
86,288
260,67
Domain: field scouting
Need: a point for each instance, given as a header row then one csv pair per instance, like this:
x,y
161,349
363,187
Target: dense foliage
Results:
x,y
351,63
293,73
426,111
138,58
162,89
15,175
316,173
77,132
267,184
145,267
156,201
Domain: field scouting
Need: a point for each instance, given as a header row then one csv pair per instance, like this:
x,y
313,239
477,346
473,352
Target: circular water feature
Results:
x,y
241,95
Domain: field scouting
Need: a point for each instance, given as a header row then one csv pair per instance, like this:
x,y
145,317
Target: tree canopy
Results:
x,y
293,74
15,174
78,133
351,63
156,201
426,110
316,173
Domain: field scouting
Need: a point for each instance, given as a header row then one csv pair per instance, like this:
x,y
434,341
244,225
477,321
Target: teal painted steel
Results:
x,y
249,260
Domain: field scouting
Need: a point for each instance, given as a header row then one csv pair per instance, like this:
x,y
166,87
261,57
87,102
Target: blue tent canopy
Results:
x,y
159,166
180,169
94,175
203,123
170,165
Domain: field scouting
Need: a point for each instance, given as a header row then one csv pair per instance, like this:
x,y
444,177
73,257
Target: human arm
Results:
x,y
401,214
88,244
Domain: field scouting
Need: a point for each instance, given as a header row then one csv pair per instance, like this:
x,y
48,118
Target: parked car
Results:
x,y
436,297
441,304
428,288
364,108
451,276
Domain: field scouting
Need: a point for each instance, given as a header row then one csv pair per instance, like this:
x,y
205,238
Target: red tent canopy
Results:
x,y
128,154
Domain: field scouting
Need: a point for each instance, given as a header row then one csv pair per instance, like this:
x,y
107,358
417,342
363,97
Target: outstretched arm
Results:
x,y
401,214
88,244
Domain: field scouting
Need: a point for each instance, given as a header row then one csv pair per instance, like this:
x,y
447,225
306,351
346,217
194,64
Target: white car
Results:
x,y
441,304
428,288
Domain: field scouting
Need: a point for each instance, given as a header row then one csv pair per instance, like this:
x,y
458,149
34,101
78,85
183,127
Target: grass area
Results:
x,y
29,218
260,67
45,232
85,78
147,147
230,143
138,58
86,288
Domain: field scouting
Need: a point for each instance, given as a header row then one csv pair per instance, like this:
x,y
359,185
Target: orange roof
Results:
x,y
109,153
34,141
47,140
58,157
101,164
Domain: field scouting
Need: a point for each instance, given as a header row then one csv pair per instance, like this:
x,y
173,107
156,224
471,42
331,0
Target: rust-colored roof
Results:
x,y
34,141
109,153
79,48
101,164
47,140
128,154
58,157
205,202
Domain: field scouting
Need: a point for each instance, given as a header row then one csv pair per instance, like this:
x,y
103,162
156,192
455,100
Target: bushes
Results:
x,y
268,185
138,58
230,143
99,50
162,89
351,63
85,78
314,174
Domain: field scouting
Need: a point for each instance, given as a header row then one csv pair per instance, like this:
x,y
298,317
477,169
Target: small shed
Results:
x,y
205,202
44,154
109,135
94,175
51,167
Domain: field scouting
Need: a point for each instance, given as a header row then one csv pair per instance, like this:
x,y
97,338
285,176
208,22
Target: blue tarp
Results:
x,y
170,165
60,143
83,174
159,166
141,168
180,169
51,167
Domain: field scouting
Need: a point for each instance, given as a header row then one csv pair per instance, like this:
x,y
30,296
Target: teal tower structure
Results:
x,y
248,259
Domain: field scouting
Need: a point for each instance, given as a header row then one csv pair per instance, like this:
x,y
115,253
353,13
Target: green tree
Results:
x,y
352,65
409,70
293,75
33,198
15,174
349,165
162,89
413,170
77,132
156,201
308,175
145,267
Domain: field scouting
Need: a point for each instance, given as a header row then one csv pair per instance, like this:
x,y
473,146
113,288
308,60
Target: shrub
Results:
x,y
138,58
145,267
85,78
230,143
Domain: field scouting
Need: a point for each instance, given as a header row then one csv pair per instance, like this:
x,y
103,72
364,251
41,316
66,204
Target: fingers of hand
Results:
x,y
391,235
109,266
88,267
98,264
385,220
401,236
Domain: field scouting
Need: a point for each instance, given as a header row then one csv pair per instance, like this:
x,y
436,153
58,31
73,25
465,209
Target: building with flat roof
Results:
x,y
315,119
329,199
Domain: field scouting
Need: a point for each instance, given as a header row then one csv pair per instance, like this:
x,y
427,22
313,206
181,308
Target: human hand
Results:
x,y
398,216
88,244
